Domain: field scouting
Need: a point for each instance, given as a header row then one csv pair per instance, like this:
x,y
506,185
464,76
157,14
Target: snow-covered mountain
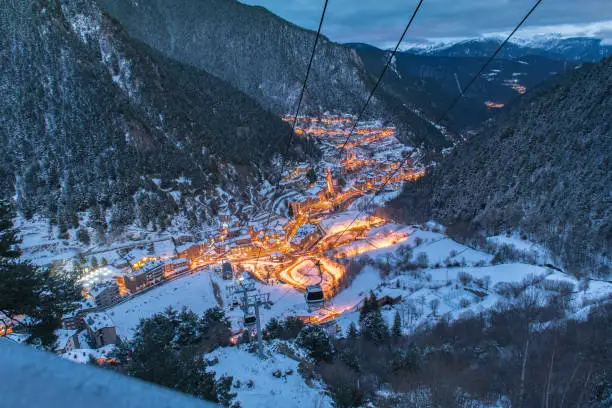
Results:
x,y
577,49
430,80
91,119
543,168
265,57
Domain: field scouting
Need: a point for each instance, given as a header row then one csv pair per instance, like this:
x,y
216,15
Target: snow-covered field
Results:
x,y
454,280
436,283
259,388
425,274
194,292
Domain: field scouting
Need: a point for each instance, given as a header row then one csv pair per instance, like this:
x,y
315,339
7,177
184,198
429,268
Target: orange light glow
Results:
x,y
371,244
140,263
493,105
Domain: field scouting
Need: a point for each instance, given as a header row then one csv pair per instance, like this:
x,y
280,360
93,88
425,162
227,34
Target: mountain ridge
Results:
x,y
543,169
92,117
266,57
576,49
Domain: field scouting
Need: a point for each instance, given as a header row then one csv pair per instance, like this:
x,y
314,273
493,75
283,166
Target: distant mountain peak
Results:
x,y
555,46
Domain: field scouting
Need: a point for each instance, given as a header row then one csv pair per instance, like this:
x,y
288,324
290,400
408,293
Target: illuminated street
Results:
x,y
327,222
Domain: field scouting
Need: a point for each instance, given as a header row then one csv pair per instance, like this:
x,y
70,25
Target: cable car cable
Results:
x,y
380,77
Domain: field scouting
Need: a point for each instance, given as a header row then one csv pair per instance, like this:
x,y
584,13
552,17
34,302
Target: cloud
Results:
x,y
601,29
380,22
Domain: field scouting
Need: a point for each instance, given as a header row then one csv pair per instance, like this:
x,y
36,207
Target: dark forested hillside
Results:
x,y
265,57
544,169
431,82
90,117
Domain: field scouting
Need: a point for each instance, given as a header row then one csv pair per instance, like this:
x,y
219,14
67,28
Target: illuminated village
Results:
x,y
311,250
513,84
321,215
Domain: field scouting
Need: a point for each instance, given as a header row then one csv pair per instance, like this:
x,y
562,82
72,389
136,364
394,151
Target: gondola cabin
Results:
x,y
250,320
314,296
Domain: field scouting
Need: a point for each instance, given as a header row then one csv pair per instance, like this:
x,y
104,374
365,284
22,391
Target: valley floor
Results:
x,y
414,270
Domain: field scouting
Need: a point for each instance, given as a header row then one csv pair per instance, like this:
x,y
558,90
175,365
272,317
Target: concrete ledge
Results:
x,y
30,378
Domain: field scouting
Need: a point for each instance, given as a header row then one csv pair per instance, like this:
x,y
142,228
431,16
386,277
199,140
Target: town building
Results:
x,y
105,294
305,235
183,239
101,329
226,270
176,267
67,340
149,274
277,257
74,320
192,252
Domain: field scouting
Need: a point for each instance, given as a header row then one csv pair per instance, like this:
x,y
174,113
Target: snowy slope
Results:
x,y
267,391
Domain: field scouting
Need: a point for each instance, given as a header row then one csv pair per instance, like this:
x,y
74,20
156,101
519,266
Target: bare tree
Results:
x,y
434,304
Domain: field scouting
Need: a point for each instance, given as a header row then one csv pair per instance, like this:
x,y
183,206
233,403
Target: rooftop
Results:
x,y
302,232
101,287
62,337
97,321
178,261
147,267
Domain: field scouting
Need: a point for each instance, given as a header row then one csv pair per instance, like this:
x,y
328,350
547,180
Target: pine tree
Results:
x,y
274,329
292,327
374,327
351,333
373,301
396,330
167,350
314,339
311,174
94,262
365,309
224,394
187,331
41,294
83,236
370,304
8,234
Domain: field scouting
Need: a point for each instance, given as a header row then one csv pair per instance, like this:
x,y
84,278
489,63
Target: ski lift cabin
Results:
x,y
314,296
249,320
314,293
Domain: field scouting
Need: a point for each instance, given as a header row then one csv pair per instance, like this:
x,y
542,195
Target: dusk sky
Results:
x,y
380,22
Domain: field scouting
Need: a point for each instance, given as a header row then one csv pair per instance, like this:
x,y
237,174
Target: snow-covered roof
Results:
x,y
97,321
103,274
314,190
147,267
101,287
62,338
177,261
164,249
340,221
300,199
302,232
243,237
136,254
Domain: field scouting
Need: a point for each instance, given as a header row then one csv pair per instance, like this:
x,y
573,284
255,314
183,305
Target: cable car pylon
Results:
x,y
241,292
